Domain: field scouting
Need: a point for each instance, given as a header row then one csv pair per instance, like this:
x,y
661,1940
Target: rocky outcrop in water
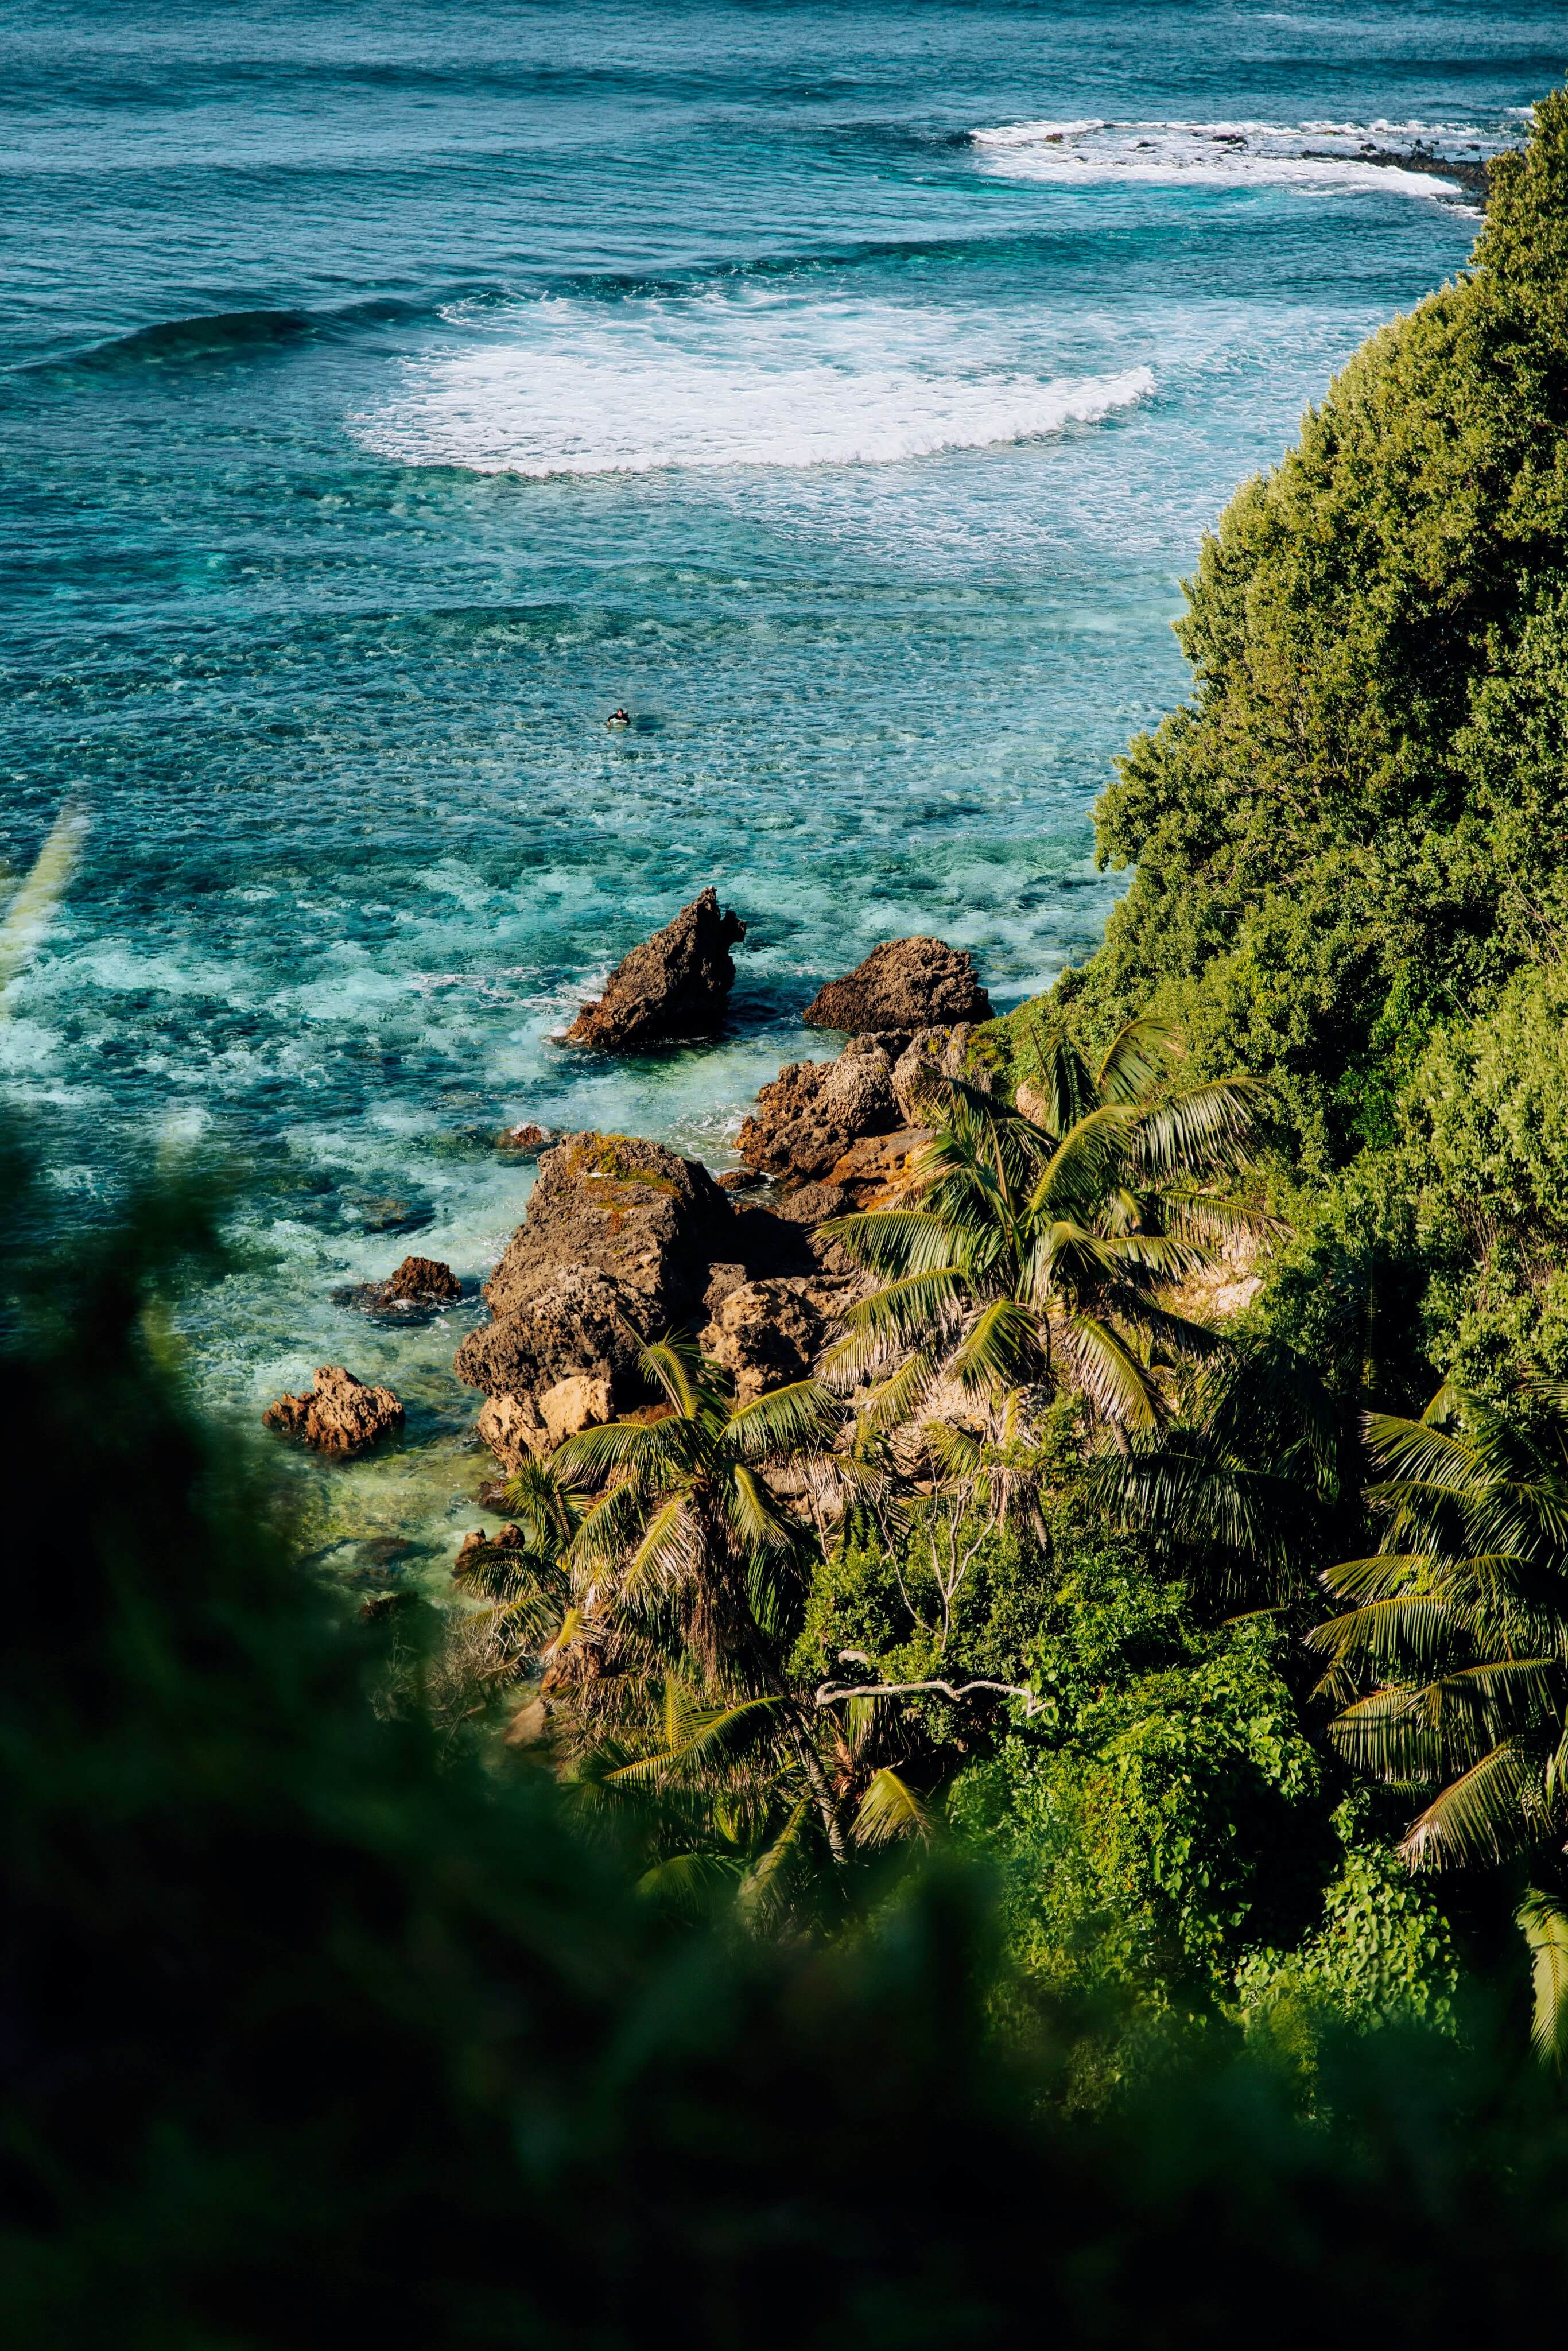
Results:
x,y
676,984
423,1280
580,1326
902,986
526,1139
630,1209
614,1249
340,1416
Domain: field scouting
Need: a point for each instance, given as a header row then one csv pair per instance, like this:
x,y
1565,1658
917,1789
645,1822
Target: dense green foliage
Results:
x,y
311,2030
1356,826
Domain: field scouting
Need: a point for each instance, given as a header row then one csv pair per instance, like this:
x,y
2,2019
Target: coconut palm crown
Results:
x,y
1459,1625
681,1536
1045,1232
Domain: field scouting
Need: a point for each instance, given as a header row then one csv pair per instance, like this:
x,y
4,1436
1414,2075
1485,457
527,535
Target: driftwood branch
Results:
x,y
829,1696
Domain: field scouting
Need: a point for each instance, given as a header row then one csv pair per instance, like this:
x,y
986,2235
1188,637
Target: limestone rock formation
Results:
x,y
340,1416
581,1324
676,984
931,1056
615,1248
808,1117
880,1167
902,986
765,1333
629,1208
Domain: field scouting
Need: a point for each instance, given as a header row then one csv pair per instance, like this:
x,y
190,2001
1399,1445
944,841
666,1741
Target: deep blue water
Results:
x,y
391,391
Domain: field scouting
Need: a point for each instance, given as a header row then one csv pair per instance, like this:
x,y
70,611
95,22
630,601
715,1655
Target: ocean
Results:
x,y
389,392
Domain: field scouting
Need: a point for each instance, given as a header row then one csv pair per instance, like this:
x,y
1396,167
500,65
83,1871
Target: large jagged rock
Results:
x,y
340,1416
880,1169
629,1207
808,1117
902,986
423,1278
614,1249
676,984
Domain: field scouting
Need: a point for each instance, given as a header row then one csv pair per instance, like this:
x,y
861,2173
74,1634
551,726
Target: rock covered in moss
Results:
x,y
340,1416
629,1208
676,984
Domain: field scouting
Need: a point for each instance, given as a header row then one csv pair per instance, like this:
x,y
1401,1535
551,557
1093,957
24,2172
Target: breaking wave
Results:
x,y
1412,158
577,390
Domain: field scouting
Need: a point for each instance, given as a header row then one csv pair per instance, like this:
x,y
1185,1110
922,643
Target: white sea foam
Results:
x,y
1309,156
586,388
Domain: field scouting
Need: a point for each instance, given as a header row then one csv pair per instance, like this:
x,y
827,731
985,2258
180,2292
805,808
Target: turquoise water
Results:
x,y
391,391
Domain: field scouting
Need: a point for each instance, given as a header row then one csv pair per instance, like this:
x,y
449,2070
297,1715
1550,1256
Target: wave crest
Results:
x,y
662,385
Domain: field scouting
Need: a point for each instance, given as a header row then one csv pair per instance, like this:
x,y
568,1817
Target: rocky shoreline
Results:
x,y
624,1239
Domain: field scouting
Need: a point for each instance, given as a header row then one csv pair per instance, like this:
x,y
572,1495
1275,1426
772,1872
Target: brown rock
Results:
x,y
812,1112
813,1203
478,1553
526,1139
340,1416
765,1333
721,1281
676,984
628,1209
741,1179
424,1279
930,1058
878,1165
513,1428
903,985
579,1323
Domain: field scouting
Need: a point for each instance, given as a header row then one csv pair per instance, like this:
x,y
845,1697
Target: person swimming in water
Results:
x,y
618,718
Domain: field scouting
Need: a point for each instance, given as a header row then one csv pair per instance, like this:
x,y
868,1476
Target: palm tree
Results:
x,y
648,1586
1253,1480
682,1568
1460,1623
1044,1235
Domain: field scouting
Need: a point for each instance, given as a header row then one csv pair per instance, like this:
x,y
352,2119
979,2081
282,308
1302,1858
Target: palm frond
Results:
x,y
759,1890
1086,1164
802,1416
907,1310
1206,1130
900,1396
889,1809
691,1733
674,1367
892,1240
627,1445
692,1883
1543,1922
664,1556
1136,1058
1001,1351
1483,1816
1117,1385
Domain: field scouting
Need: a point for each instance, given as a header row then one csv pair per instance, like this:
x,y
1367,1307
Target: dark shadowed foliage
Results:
x,y
305,2031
